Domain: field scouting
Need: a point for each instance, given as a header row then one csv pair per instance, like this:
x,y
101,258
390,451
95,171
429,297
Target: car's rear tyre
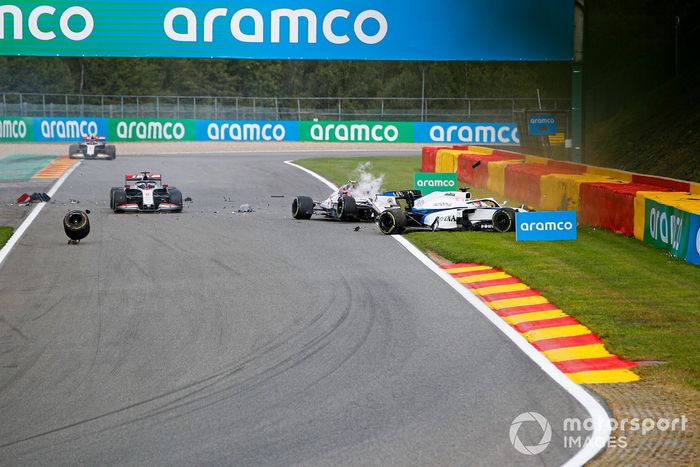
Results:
x,y
302,207
73,150
176,198
392,222
111,150
347,208
503,220
117,197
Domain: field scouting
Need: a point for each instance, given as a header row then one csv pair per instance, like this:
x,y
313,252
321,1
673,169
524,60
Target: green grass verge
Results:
x,y
5,234
642,302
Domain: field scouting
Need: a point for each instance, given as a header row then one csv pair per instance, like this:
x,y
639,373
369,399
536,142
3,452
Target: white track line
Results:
x,y
599,416
5,251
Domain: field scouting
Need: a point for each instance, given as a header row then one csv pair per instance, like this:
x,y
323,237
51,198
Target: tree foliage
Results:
x,y
218,77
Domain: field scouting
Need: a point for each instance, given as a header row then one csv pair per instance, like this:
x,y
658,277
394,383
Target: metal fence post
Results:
x,y
157,107
177,115
298,110
122,106
67,113
216,109
43,104
255,114
194,108
237,108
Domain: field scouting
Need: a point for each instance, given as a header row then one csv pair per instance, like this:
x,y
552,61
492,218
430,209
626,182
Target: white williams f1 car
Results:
x,y
145,192
447,210
346,204
92,147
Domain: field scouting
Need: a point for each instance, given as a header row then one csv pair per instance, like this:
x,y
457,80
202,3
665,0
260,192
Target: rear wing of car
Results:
x,y
95,138
142,176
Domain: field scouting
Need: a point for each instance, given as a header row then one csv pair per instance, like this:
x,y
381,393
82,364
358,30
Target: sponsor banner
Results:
x,y
356,132
667,228
542,125
151,130
16,129
511,30
693,253
428,182
68,129
545,226
470,133
217,130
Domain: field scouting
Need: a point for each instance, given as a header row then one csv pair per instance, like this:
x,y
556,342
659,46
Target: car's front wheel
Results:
x,y
117,197
504,220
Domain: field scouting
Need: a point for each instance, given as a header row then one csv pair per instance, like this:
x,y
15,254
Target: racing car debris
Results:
x,y
444,210
145,192
92,147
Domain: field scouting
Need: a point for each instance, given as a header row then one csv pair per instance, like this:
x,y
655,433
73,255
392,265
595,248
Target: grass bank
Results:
x,y
5,234
641,301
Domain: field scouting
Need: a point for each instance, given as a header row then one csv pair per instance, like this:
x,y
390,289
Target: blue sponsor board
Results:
x,y
466,133
503,30
545,226
222,130
693,255
71,129
542,125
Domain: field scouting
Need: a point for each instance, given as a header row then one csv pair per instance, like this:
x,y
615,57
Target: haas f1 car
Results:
x,y
446,210
92,147
145,192
346,204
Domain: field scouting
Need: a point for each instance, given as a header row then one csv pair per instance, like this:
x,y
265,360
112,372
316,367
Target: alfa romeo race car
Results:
x,y
145,192
346,204
92,147
444,210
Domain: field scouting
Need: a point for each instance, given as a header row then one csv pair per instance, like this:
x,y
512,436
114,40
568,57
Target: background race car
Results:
x,y
145,192
92,147
446,210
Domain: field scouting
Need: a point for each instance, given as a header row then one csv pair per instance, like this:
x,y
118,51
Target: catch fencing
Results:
x,y
273,108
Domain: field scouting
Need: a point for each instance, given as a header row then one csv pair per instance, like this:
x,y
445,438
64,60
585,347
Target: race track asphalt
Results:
x,y
214,338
